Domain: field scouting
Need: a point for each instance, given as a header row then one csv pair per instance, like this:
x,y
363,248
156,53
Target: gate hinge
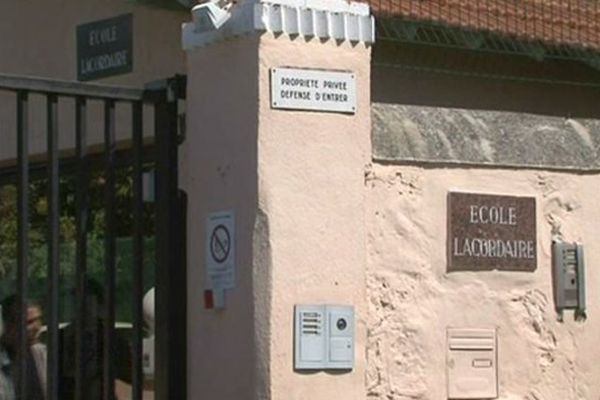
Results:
x,y
175,87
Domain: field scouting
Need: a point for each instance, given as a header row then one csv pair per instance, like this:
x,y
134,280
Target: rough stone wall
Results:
x,y
412,300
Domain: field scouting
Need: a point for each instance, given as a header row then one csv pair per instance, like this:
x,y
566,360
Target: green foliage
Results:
x,y
38,223
8,229
38,240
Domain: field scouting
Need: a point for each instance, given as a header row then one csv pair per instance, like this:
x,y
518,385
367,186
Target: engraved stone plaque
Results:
x,y
487,232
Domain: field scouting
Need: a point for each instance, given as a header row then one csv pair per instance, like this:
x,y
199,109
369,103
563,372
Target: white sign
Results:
x,y
309,89
220,250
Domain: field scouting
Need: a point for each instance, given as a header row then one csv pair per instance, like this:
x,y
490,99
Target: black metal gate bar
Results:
x,y
110,250
53,240
170,370
163,205
23,242
81,221
69,88
138,252
169,358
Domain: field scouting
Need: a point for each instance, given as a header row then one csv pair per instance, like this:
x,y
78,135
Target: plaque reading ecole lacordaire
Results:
x,y
105,48
487,232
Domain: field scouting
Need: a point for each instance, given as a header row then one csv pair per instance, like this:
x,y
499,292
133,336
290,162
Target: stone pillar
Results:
x,y
295,180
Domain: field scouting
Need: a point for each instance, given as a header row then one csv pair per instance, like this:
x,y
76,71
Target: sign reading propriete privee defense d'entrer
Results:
x,y
105,48
488,232
313,90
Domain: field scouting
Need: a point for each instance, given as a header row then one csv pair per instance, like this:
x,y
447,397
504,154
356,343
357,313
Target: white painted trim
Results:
x,y
338,20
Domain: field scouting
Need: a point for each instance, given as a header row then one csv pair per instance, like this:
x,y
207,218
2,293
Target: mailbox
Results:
x,y
324,337
472,364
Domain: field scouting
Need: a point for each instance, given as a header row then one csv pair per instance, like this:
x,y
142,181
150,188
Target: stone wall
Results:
x,y
413,300
484,137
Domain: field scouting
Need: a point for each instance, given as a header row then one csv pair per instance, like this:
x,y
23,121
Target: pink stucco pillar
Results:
x,y
294,180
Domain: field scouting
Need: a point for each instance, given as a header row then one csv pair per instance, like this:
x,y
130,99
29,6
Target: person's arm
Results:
x,y
40,357
124,360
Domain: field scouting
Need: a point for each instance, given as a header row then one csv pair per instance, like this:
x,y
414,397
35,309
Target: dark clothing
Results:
x,y
34,389
93,372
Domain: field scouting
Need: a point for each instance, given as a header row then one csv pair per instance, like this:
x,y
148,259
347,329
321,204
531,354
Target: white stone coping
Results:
x,y
338,20
405,133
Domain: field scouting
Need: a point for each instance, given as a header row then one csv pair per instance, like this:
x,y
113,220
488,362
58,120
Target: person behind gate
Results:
x,y
93,344
36,354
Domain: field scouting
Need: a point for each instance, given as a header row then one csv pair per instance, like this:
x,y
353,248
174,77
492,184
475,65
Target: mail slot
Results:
x,y
483,363
472,363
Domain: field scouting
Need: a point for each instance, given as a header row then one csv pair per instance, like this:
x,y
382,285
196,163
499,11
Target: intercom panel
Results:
x,y
569,276
340,337
309,337
324,337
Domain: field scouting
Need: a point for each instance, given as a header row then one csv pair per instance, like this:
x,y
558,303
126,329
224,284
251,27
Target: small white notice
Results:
x,y
315,90
220,250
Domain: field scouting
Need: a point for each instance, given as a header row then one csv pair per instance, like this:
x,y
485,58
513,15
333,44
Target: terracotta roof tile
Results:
x,y
572,22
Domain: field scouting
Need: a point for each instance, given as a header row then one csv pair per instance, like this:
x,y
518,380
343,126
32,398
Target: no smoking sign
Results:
x,y
220,243
220,250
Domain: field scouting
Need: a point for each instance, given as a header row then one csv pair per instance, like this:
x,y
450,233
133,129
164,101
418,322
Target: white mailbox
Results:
x,y
324,337
472,364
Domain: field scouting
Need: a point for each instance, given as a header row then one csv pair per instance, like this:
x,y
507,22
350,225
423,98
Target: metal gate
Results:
x,y
84,125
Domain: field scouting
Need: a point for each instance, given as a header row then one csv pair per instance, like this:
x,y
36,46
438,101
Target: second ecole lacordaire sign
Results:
x,y
491,232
